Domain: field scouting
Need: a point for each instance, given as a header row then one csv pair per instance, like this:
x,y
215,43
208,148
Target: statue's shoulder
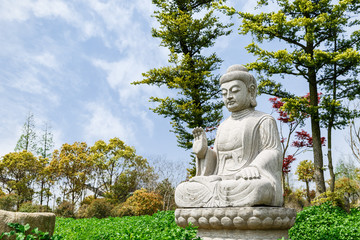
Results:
x,y
261,116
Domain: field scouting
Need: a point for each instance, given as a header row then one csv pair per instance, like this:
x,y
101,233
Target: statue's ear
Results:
x,y
252,90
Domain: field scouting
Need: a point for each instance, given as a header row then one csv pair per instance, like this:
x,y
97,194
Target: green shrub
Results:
x,y
30,207
296,200
99,208
141,202
81,212
122,210
326,222
65,209
8,202
87,200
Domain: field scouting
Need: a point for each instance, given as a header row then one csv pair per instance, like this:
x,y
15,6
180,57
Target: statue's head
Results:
x,y
238,88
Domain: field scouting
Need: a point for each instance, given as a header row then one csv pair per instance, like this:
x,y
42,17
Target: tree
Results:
x,y
118,170
307,27
44,178
73,165
305,172
301,140
167,191
355,140
186,33
46,142
27,140
20,169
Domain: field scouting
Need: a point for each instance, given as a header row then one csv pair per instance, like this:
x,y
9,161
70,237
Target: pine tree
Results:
x,y
27,140
187,27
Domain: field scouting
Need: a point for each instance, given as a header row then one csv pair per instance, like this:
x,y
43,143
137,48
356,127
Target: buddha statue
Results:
x,y
243,169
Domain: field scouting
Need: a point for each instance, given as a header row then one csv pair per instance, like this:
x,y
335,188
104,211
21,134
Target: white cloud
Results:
x,y
122,73
46,59
22,10
28,82
102,124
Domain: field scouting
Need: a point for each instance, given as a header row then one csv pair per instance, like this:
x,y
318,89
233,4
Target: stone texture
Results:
x,y
238,222
244,167
44,221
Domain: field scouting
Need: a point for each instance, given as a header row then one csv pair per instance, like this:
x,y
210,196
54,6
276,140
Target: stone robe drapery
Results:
x,y
246,139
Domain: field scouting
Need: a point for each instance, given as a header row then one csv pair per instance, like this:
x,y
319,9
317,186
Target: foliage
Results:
x,y
141,202
346,194
302,140
21,233
118,170
73,164
8,201
305,172
65,209
124,185
159,226
326,222
296,199
186,29
46,142
355,140
27,140
45,177
30,207
87,200
308,30
99,208
21,169
167,192
347,169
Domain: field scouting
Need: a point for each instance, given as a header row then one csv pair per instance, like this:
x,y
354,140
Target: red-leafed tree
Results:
x,y
300,140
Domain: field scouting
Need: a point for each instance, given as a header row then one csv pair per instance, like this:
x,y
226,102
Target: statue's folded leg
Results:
x,y
239,193
193,194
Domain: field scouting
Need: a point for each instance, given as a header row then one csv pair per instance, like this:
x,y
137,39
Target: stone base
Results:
x,y
235,223
227,234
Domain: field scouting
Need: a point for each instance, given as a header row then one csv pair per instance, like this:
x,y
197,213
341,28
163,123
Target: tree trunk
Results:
x,y
330,126
308,191
41,192
316,134
331,167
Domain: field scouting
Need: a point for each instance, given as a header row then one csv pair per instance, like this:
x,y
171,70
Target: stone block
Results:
x,y
45,222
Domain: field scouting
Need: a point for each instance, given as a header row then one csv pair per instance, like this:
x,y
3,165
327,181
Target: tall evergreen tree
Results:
x,y
27,140
307,28
187,28
46,142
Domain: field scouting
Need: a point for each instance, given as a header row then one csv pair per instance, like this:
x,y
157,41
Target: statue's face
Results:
x,y
236,95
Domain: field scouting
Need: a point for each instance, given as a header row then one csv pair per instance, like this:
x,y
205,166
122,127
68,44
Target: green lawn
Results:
x,y
159,226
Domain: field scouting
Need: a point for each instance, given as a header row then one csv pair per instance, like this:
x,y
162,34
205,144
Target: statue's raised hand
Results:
x,y
200,142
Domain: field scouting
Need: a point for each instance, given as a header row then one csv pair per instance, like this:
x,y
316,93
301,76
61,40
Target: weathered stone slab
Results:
x,y
235,223
44,221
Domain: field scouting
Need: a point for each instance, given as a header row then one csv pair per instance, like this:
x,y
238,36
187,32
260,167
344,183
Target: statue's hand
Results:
x,y
248,173
200,142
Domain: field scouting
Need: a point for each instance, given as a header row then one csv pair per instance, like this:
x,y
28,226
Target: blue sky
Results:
x,y
71,63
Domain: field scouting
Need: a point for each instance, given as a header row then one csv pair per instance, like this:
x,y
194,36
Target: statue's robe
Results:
x,y
246,139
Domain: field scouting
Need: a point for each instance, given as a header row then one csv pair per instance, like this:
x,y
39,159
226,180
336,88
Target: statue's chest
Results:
x,y
231,135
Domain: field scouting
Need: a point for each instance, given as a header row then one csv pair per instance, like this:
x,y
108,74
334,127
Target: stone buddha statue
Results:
x,y
244,167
